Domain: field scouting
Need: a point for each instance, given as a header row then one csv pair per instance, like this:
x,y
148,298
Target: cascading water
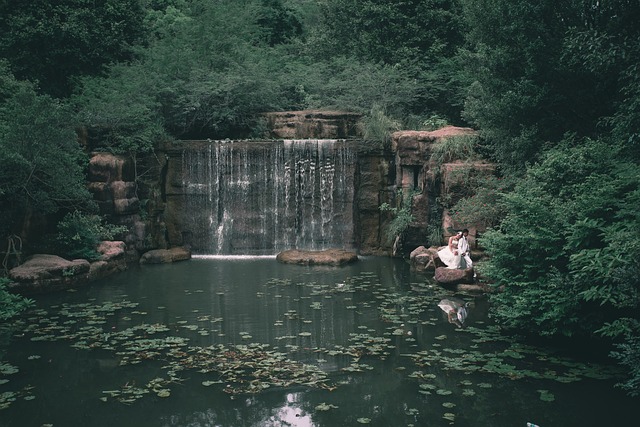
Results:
x,y
253,197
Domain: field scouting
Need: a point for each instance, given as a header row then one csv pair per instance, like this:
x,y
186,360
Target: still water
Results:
x,y
251,342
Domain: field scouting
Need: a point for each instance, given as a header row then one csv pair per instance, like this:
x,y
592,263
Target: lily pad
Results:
x,y
325,407
546,396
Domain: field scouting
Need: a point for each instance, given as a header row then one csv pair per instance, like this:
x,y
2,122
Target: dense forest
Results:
x,y
553,89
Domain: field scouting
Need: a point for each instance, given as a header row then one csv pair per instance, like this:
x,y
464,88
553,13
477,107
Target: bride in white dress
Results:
x,y
449,254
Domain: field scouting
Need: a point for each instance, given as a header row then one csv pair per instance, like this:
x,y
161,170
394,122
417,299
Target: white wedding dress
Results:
x,y
452,261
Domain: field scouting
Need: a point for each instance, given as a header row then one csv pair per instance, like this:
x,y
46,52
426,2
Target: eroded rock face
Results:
x,y
326,257
312,124
161,256
112,183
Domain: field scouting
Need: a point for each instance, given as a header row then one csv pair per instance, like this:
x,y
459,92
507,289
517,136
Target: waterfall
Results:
x,y
256,197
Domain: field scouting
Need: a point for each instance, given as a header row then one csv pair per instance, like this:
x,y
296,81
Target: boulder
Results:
x,y
112,260
43,273
326,257
106,167
448,276
161,256
425,259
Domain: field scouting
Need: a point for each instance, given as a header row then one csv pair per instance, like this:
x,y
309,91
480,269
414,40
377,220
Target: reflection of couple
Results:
x,y
456,253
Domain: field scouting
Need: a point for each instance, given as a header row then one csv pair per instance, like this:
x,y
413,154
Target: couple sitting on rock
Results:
x,y
457,253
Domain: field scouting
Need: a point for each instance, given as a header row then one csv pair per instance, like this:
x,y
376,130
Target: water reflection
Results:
x,y
250,342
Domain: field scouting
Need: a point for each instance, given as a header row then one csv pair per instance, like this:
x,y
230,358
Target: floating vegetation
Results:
x,y
8,397
546,396
449,416
403,323
8,369
325,407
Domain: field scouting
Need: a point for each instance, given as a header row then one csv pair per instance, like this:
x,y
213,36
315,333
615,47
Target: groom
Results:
x,y
463,248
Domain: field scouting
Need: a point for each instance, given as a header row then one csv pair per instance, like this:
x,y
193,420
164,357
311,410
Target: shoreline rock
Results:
x,y
336,257
162,256
47,273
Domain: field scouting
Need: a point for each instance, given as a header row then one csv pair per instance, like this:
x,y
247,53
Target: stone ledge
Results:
x,y
162,256
335,257
313,124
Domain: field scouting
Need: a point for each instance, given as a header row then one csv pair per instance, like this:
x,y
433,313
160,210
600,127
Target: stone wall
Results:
x,y
112,183
375,186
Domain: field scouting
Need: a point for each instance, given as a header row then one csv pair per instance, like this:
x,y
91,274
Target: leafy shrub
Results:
x,y
79,234
11,304
565,251
628,354
434,122
485,206
402,216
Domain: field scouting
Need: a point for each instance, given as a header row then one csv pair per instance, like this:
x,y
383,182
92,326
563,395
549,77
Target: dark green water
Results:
x,y
251,342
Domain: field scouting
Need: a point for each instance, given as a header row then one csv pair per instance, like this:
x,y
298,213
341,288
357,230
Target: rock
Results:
x,y
112,260
106,167
326,257
312,124
45,273
413,147
448,276
160,256
425,259
126,206
111,250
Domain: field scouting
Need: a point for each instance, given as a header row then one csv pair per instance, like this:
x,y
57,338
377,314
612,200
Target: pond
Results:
x,y
251,342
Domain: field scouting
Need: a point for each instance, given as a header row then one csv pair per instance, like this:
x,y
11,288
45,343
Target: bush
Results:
x,y
377,127
79,235
11,304
628,354
485,206
459,147
565,252
402,216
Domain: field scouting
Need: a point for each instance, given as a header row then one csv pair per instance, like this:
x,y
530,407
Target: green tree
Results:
x,y
393,32
606,44
278,22
421,37
42,162
53,43
539,69
564,253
